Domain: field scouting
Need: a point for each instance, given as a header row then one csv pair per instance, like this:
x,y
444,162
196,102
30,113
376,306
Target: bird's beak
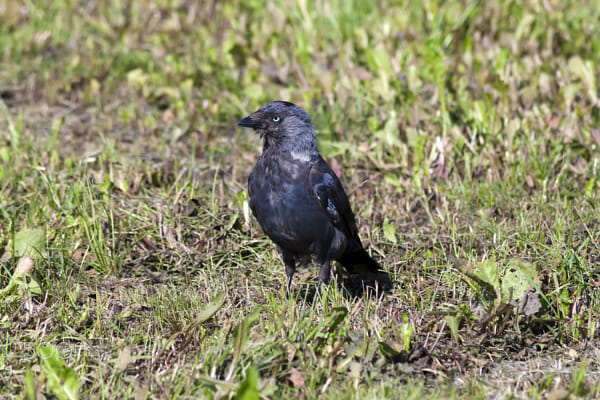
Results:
x,y
252,123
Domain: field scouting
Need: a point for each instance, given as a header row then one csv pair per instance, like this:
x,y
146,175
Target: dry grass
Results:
x,y
466,134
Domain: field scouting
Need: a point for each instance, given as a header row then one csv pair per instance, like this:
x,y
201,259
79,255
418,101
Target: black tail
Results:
x,y
360,262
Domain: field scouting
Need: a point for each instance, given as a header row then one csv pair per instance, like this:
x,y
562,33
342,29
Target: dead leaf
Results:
x,y
77,255
141,393
172,240
558,394
124,359
596,135
167,116
529,181
291,353
362,74
530,303
296,378
156,277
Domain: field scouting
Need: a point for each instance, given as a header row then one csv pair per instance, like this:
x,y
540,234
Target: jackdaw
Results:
x,y
299,201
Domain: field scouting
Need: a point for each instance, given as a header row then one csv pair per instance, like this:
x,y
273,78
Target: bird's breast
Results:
x,y
285,207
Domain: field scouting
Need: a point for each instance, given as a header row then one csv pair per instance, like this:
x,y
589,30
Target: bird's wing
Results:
x,y
330,194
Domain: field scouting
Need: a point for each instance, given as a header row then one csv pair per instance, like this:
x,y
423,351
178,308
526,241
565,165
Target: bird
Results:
x,y
299,202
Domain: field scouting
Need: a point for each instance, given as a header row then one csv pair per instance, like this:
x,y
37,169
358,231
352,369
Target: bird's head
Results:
x,y
283,124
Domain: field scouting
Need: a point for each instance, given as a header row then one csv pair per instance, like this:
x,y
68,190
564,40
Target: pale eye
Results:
x,y
276,118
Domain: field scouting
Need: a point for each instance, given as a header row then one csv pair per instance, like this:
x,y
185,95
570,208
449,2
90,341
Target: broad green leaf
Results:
x,y
388,352
29,242
406,331
211,308
389,231
487,272
378,61
390,132
29,385
373,123
576,66
518,278
61,380
5,153
248,389
500,62
240,337
484,274
453,322
590,188
242,331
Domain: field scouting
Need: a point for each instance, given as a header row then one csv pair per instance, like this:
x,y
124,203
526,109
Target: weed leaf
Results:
x,y
29,242
62,380
248,389
211,308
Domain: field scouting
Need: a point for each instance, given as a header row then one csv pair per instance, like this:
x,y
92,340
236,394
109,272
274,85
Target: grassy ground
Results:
x,y
467,135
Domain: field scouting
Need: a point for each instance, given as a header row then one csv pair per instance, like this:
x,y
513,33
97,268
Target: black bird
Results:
x,y
299,201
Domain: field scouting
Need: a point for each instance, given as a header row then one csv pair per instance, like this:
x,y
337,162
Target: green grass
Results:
x,y
466,133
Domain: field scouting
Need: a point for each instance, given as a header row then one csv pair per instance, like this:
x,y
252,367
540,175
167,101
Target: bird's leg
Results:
x,y
290,268
324,274
288,287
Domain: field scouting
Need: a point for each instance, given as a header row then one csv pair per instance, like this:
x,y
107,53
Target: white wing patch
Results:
x,y
301,156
